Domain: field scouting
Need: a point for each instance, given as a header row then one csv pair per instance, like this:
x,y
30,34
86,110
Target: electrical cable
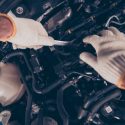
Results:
x,y
110,20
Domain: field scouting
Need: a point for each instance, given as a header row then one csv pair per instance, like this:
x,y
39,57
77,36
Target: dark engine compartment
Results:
x,y
60,88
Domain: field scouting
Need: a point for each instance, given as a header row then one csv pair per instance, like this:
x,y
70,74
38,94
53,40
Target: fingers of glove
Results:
x,y
106,39
106,33
119,35
112,46
115,31
89,59
94,40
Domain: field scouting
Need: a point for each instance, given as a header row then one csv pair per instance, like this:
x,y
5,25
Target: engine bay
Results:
x,y
59,88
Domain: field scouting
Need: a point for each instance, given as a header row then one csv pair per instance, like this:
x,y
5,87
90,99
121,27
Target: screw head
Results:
x,y
19,10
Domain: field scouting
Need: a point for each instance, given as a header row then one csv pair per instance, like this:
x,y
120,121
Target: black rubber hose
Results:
x,y
98,105
54,11
19,53
29,102
61,109
60,105
43,91
28,109
40,118
93,100
16,53
53,86
98,95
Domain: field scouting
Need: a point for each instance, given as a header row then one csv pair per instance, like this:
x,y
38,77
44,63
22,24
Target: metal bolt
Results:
x,y
19,10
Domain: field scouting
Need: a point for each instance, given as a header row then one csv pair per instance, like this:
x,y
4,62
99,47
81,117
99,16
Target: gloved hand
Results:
x,y
110,60
25,33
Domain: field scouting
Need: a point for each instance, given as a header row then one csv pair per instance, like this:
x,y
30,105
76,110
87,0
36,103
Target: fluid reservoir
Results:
x,y
11,88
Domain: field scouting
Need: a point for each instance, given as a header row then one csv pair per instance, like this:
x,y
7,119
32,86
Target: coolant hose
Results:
x,y
98,95
43,91
19,53
53,86
28,109
61,109
16,53
40,117
97,106
92,100
60,105
29,102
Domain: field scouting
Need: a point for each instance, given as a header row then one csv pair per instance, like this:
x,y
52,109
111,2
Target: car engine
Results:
x,y
54,86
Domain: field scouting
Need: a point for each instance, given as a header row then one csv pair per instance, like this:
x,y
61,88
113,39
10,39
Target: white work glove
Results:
x,y
30,34
110,60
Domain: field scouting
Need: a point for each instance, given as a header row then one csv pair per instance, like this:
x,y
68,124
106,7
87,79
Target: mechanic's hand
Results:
x,y
25,33
110,60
